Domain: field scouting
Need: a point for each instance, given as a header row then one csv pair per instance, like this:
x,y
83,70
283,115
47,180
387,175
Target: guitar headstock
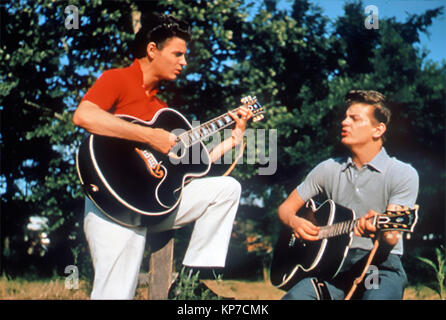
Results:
x,y
401,220
255,107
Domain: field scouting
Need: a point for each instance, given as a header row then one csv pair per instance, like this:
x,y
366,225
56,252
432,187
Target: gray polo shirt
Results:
x,y
384,180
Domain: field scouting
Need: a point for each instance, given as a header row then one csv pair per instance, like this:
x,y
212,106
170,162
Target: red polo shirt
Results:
x,y
121,91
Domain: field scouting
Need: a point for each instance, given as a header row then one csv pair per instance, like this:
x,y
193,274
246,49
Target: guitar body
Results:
x,y
129,181
295,259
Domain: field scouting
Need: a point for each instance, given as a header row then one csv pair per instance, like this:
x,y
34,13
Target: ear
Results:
x,y
379,130
151,49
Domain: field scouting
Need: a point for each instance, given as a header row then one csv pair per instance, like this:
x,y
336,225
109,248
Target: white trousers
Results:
x,y
117,251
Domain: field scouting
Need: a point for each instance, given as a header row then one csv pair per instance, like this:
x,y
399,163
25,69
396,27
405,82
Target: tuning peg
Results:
x,y
258,118
248,100
256,108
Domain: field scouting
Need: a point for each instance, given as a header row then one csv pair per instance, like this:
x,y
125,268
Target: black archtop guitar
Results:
x,y
129,181
295,259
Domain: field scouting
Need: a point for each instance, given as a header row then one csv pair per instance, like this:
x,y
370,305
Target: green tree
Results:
x,y
298,63
45,70
393,64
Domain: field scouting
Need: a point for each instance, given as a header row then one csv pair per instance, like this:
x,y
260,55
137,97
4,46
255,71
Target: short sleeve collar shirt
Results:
x,y
121,91
383,181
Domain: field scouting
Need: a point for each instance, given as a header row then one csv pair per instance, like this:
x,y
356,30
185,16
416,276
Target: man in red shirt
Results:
x,y
159,50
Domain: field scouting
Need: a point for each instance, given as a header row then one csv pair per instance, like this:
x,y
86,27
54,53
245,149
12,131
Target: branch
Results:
x,y
35,105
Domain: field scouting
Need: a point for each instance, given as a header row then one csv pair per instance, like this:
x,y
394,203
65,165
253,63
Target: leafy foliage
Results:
x,y
189,287
439,269
298,63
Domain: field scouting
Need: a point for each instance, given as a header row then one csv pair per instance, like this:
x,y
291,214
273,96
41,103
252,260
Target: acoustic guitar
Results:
x,y
129,181
295,259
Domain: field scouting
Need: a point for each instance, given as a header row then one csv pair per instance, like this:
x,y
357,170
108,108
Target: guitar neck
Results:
x,y
403,220
337,229
206,130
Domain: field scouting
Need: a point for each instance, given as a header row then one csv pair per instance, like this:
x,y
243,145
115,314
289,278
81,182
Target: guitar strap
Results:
x,y
228,172
241,149
359,279
321,289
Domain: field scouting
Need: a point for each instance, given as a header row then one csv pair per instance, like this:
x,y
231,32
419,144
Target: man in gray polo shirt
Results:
x,y
369,182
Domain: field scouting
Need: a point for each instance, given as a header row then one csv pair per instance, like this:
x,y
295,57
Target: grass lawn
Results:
x,y
20,289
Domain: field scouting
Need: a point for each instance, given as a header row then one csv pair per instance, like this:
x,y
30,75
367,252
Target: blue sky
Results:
x,y
435,43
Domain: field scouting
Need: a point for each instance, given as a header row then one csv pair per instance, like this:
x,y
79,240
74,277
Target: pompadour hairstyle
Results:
x,y
158,28
381,111
378,101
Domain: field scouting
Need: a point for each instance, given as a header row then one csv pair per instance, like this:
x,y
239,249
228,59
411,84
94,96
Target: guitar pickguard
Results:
x,y
153,166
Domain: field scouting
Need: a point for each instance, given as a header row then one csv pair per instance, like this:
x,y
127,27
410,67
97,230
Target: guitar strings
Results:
x,y
217,126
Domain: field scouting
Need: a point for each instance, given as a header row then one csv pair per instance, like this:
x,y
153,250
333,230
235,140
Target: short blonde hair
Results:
x,y
381,111
375,99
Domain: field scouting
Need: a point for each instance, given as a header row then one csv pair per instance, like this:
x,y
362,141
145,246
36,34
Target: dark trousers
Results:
x,y
385,280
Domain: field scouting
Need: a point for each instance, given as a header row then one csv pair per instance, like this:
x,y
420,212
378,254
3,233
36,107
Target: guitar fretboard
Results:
x,y
211,127
337,229
205,130
396,220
